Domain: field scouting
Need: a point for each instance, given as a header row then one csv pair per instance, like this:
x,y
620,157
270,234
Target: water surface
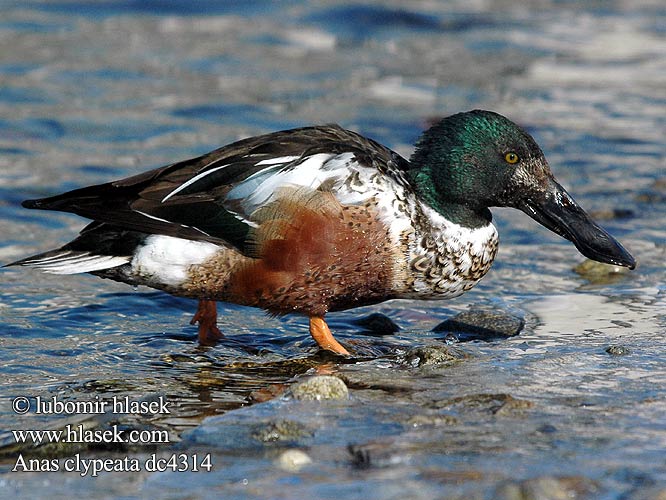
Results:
x,y
95,91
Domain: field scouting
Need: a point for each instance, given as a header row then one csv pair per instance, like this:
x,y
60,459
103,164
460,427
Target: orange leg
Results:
x,y
206,316
322,335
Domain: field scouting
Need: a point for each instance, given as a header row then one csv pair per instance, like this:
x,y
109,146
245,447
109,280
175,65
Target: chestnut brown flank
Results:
x,y
312,256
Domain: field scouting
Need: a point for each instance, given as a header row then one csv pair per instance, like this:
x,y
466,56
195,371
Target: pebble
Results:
x,y
481,325
293,460
318,388
598,273
433,355
548,488
432,421
377,324
493,404
617,350
281,431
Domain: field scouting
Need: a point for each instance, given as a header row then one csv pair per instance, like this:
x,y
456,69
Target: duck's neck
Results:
x,y
464,215
461,213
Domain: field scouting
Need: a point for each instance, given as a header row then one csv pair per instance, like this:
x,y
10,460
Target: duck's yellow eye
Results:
x,y
511,158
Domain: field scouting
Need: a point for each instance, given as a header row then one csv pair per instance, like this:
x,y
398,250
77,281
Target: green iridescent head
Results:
x,y
471,161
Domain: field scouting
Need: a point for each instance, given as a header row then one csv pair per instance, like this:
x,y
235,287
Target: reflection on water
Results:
x,y
95,91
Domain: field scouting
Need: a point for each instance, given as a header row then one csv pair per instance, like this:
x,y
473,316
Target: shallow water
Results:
x,y
95,91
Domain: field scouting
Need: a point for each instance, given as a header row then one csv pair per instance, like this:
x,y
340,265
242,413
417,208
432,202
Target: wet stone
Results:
x,y
377,324
293,460
454,476
598,273
494,404
617,350
318,388
267,393
480,325
433,355
549,488
431,421
376,454
281,431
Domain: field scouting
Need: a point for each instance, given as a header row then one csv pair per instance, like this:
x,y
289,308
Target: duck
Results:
x,y
319,219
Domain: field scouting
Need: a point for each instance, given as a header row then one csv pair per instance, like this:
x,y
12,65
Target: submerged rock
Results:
x,y
281,431
617,350
377,324
318,388
481,325
433,355
293,460
375,454
549,488
494,404
598,273
425,420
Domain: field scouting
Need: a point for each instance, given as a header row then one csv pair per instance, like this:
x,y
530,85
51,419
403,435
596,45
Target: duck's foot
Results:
x,y
206,316
322,335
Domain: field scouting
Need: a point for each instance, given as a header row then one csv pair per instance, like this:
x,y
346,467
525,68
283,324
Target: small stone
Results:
x,y
293,460
598,273
267,393
547,429
281,431
375,454
433,355
548,488
377,324
481,325
456,477
318,388
431,421
495,404
617,350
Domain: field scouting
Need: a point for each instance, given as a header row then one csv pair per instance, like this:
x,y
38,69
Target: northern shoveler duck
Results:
x,y
320,219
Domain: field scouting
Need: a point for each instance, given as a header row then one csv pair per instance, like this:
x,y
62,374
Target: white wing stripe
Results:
x,y
192,181
152,217
77,263
273,161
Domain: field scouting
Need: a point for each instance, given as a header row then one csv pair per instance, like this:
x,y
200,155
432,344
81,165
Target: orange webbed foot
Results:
x,y
206,316
322,335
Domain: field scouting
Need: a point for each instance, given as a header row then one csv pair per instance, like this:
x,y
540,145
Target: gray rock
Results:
x,y
493,404
377,324
598,273
433,355
548,488
318,388
425,420
481,325
618,350
293,460
281,431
